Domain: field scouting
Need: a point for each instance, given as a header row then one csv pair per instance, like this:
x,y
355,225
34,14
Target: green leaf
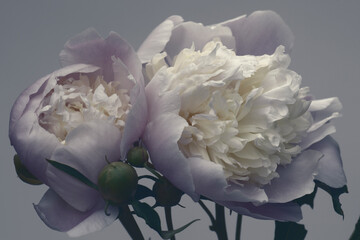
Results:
x,y
23,173
289,231
334,193
356,234
73,172
170,234
307,199
152,219
142,192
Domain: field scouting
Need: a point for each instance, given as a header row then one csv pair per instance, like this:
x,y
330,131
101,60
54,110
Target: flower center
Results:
x,y
246,113
75,101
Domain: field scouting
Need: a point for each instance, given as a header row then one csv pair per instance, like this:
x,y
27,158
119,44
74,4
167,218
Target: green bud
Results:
x,y
117,182
23,173
166,194
137,156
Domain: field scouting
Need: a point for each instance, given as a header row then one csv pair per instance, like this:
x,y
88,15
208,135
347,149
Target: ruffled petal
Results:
x,y
296,179
60,216
270,211
158,38
90,48
32,142
85,150
324,110
330,168
260,33
186,34
160,138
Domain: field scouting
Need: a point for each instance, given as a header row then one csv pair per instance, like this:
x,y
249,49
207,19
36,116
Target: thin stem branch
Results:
x,y
212,219
238,227
169,220
129,223
220,222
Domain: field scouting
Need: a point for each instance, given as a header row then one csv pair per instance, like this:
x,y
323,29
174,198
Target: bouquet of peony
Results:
x,y
212,112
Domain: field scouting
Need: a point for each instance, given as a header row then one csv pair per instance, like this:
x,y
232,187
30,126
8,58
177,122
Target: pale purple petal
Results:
x,y
330,168
296,179
188,33
160,101
318,135
32,142
136,119
158,38
160,138
260,33
60,216
90,48
209,179
270,211
85,150
324,110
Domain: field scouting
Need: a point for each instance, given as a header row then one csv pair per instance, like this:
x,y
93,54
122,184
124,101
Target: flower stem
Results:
x,y
169,220
238,227
129,223
212,219
220,222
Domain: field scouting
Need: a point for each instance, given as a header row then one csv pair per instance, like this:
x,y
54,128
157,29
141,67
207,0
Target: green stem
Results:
x,y
129,223
238,227
212,219
169,220
220,222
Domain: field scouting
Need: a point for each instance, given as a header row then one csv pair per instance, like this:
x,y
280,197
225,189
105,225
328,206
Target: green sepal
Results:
x,y
23,173
307,199
152,219
289,231
335,194
356,234
73,172
142,192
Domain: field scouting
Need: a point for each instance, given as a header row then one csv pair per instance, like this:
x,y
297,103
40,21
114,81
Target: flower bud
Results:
x,y
24,174
137,156
166,194
117,182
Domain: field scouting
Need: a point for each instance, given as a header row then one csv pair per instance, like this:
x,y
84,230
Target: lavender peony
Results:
x,y
94,107
229,121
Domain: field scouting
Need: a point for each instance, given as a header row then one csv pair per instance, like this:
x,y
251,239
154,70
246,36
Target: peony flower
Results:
x,y
91,109
229,121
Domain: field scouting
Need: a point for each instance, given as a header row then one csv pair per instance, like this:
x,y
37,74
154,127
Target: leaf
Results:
x,y
170,234
73,172
307,199
23,173
152,219
289,231
142,192
334,193
356,234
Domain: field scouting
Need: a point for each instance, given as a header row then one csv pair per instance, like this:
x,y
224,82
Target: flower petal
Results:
x,y
32,142
324,110
135,120
260,33
188,33
210,181
161,139
330,168
85,150
60,216
158,38
296,179
279,211
90,48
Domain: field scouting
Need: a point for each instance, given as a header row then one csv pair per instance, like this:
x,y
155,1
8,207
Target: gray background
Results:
x,y
326,54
